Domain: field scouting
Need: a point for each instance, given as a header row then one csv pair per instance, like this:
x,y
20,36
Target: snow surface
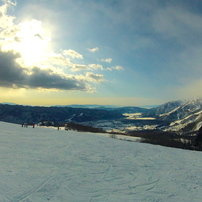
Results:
x,y
43,164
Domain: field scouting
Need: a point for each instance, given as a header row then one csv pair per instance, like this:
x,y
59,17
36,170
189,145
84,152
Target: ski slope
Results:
x,y
44,164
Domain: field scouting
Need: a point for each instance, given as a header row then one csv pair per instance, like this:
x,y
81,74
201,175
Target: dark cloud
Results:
x,y
50,80
12,75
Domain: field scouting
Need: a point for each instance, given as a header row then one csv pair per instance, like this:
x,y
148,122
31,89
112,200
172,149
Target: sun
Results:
x,y
32,41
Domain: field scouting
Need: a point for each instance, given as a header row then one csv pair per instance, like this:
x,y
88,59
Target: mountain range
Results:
x,y
181,117
34,114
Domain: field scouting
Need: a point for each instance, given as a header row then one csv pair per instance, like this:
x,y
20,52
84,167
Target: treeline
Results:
x,y
83,128
169,139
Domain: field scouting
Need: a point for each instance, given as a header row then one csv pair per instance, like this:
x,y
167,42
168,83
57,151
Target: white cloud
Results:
x,y
108,60
95,66
72,54
115,68
93,49
5,20
78,67
57,59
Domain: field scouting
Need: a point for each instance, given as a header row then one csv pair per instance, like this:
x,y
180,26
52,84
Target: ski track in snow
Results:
x,y
43,164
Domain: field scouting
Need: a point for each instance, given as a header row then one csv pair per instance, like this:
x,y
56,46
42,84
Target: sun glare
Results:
x,y
32,42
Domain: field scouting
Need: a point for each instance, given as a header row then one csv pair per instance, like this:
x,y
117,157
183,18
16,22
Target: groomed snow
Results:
x,y
43,164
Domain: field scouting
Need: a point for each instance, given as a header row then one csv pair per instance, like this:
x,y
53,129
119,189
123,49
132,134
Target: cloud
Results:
x,y
57,59
115,68
93,49
72,54
95,77
47,79
78,67
5,20
108,60
12,75
10,2
39,36
95,66
50,72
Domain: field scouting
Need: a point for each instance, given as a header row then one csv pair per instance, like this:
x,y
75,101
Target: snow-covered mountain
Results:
x,y
183,117
44,164
189,124
183,110
162,109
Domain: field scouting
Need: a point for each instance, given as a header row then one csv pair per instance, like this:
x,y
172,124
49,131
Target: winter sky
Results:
x,y
118,52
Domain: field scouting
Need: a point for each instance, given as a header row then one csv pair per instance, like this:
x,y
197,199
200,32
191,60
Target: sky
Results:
x,y
109,52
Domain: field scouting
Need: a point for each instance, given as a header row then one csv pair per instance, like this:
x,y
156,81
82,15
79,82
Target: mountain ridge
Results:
x,y
181,117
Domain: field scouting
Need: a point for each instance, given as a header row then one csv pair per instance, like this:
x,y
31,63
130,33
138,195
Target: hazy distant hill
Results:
x,y
88,106
19,114
121,109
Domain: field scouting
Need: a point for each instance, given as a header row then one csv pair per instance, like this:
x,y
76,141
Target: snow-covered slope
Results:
x,y
190,123
186,109
186,118
43,164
